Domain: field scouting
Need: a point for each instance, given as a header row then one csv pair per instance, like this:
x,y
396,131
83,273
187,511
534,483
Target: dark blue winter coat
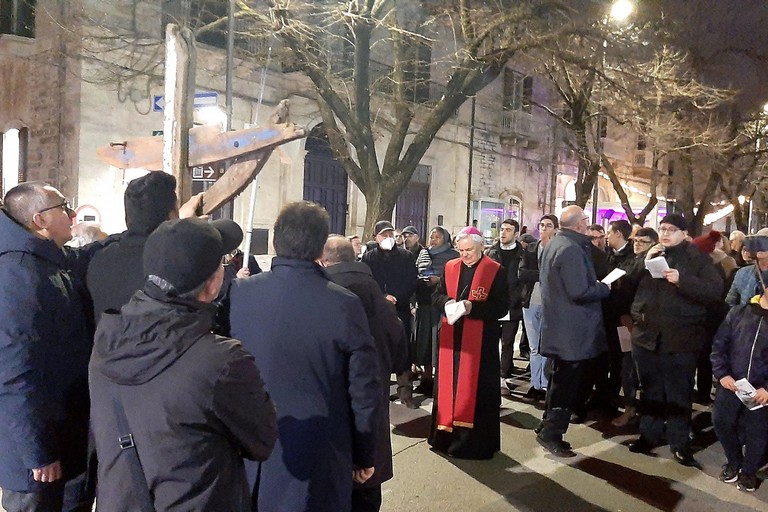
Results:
x,y
572,315
46,334
740,347
311,342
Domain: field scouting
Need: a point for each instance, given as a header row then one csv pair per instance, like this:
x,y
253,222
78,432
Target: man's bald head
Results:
x,y
337,249
571,217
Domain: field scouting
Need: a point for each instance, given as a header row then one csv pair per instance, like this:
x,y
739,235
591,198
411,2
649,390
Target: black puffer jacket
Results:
x,y
194,403
510,261
740,347
395,272
672,318
528,272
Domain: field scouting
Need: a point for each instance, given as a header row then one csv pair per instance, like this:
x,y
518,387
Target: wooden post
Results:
x,y
179,105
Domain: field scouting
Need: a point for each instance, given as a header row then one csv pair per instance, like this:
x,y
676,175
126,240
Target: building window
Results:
x,y
488,214
417,71
518,91
13,158
198,15
17,17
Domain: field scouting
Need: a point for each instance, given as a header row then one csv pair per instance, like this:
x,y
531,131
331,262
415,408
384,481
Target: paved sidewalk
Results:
x,y
605,476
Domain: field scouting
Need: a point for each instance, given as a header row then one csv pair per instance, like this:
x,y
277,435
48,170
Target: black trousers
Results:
x,y
569,385
51,499
367,499
76,495
607,375
732,421
665,403
508,335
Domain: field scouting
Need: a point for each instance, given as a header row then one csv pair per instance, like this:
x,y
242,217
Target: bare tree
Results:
x,y
649,91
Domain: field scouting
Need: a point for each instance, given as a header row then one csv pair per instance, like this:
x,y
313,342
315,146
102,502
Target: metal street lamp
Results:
x,y
620,11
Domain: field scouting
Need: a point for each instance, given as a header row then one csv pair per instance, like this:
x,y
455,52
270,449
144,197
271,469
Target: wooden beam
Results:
x,y
235,180
179,103
206,145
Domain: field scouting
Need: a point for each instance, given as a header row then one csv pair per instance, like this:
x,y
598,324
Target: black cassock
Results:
x,y
484,439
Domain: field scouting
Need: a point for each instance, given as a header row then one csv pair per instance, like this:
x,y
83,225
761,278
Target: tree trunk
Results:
x,y
740,215
377,208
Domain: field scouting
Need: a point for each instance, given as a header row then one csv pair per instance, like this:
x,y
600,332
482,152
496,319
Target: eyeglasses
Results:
x,y
67,207
640,241
668,231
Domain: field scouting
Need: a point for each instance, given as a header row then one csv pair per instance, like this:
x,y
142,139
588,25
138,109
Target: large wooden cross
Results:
x,y
182,147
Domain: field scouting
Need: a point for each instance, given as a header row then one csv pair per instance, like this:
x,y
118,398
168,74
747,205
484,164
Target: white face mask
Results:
x,y
387,244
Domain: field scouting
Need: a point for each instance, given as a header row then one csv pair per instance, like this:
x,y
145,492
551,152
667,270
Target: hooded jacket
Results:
x,y
740,347
193,404
45,342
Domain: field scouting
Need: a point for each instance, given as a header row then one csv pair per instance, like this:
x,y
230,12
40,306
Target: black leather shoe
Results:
x,y
641,446
555,447
685,458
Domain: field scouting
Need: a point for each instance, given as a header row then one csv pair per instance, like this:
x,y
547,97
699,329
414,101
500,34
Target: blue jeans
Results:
x,y
532,319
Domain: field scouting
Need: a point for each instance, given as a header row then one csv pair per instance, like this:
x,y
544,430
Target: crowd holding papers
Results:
x,y
656,266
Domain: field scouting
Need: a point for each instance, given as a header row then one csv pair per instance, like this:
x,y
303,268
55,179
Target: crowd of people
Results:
x,y
147,371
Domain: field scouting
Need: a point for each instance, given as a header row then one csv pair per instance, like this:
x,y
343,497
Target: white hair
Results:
x,y
477,239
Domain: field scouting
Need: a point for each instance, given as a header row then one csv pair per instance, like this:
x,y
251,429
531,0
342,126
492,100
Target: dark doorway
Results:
x,y
413,203
325,180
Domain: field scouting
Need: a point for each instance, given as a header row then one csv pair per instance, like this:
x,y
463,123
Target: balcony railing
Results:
x,y
517,123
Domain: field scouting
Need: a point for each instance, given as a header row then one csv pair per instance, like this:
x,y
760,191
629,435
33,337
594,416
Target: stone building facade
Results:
x,y
59,92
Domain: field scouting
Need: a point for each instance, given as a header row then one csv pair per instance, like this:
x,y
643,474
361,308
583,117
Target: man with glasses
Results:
x,y
596,233
668,315
616,314
643,240
530,300
45,345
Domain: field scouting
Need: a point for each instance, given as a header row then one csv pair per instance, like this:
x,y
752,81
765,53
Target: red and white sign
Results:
x,y
87,213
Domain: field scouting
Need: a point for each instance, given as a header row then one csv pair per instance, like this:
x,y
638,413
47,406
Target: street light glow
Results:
x,y
621,10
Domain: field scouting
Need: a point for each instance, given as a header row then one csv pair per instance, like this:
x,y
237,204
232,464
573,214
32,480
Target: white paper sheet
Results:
x,y
625,339
454,311
746,393
613,275
656,266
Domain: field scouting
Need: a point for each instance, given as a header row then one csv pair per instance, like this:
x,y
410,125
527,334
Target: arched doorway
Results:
x,y
325,180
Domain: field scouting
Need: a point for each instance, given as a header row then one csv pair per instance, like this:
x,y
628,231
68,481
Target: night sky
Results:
x,y
729,42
